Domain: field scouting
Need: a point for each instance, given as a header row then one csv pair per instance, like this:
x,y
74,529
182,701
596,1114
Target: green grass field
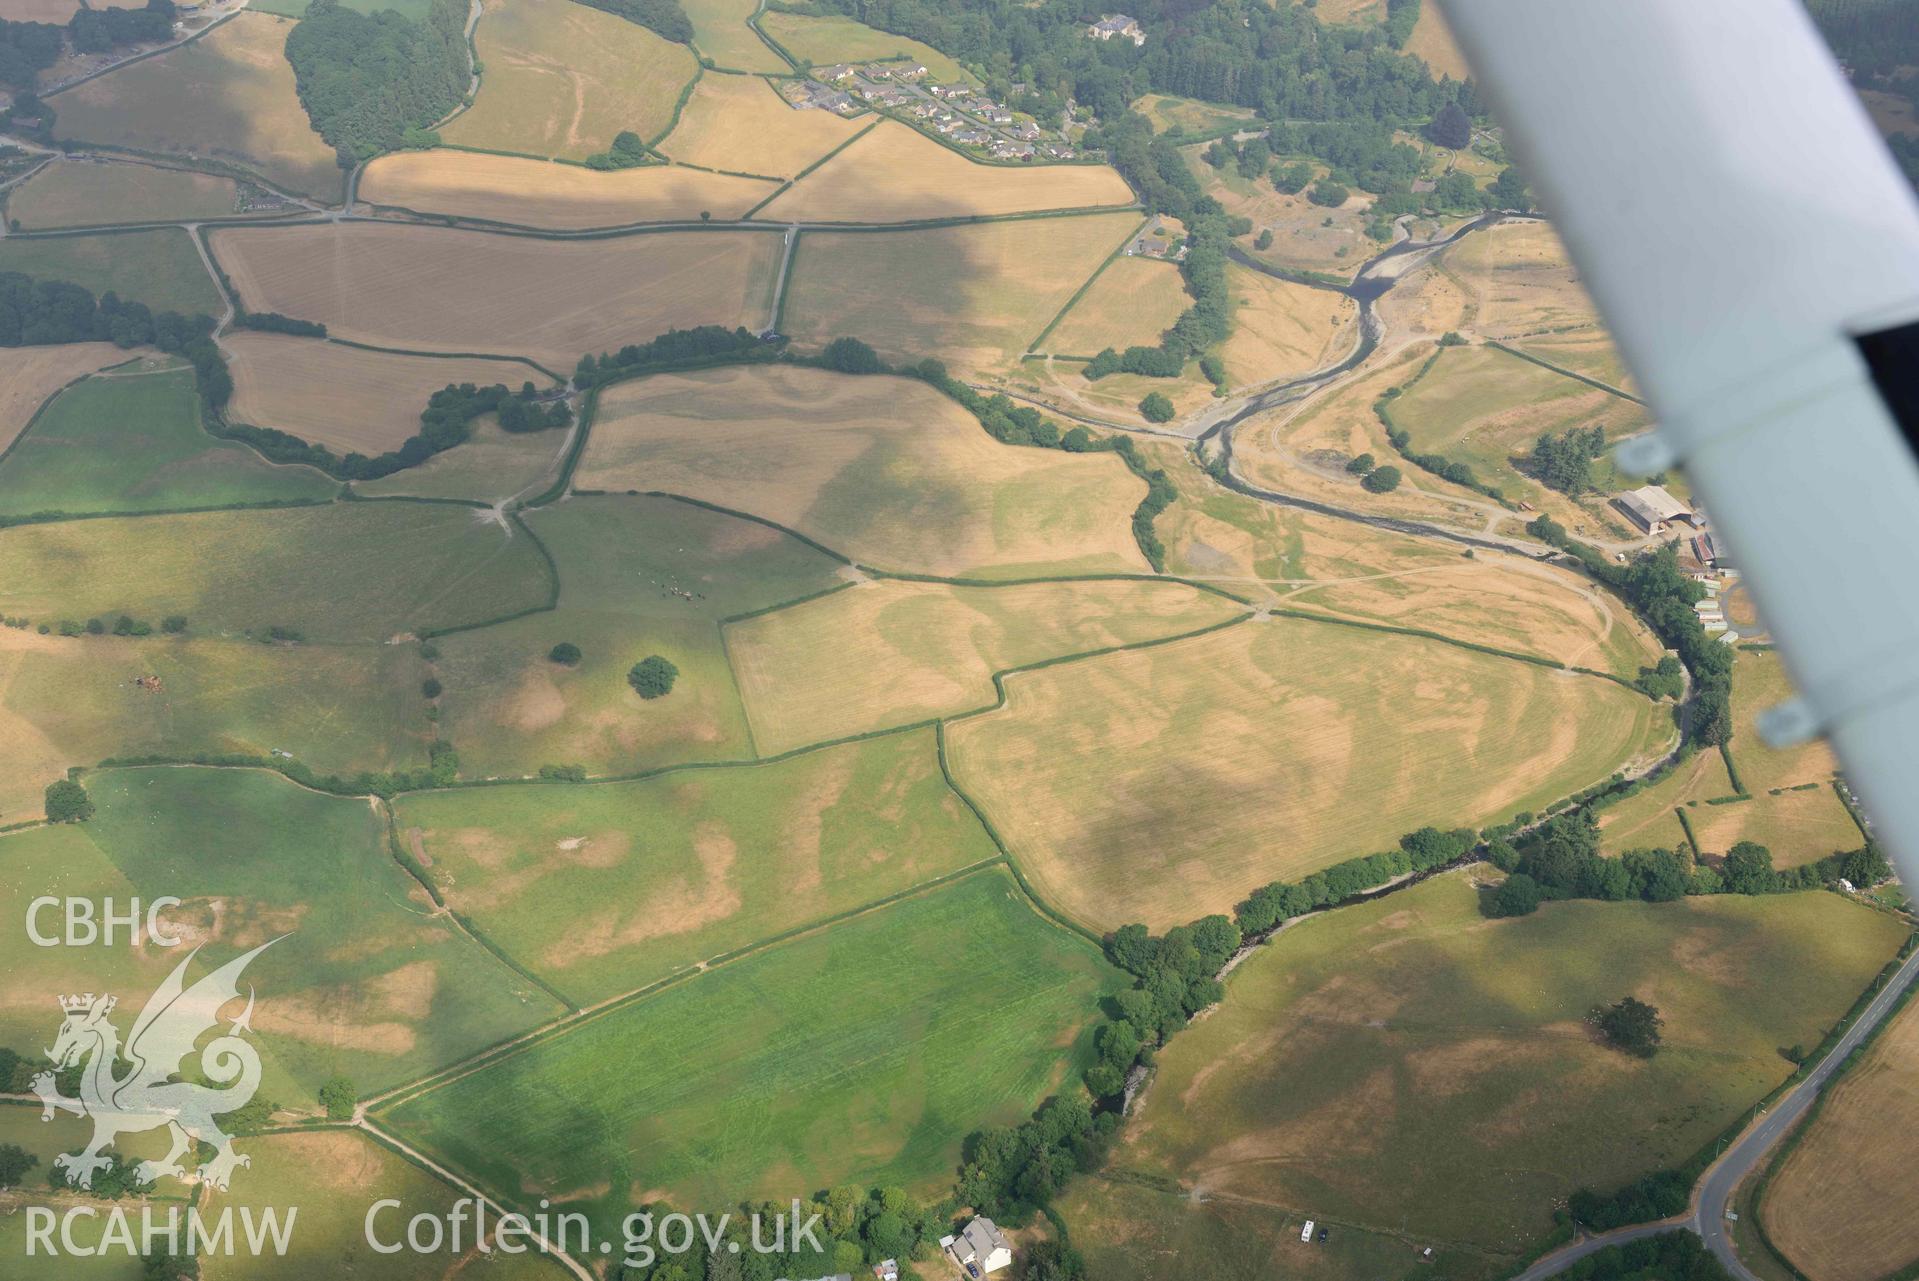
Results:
x,y
368,980
81,194
133,442
863,1054
77,700
334,1177
160,268
1162,784
603,889
366,571
21,1127
1410,1067
638,576
1190,115
489,466
821,41
720,32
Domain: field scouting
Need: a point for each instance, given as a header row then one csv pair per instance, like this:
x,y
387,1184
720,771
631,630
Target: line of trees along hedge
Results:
x,y
663,16
367,79
39,313
274,323
674,347
446,421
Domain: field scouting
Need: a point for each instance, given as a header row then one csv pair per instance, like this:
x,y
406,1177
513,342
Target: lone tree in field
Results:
x,y
652,677
1452,127
1382,480
68,802
566,654
15,1161
339,1097
1632,1025
1156,408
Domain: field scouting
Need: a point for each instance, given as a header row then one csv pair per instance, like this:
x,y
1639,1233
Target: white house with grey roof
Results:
x,y
979,1249
1117,24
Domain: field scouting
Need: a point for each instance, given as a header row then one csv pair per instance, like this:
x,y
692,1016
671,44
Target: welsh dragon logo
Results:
x,y
147,1097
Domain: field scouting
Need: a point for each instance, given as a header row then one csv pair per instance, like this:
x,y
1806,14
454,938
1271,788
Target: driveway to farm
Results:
x,y
1714,1193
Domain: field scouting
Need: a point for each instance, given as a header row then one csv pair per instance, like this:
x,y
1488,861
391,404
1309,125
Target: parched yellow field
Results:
x,y
883,470
720,32
28,375
971,296
538,193
820,41
1281,329
71,193
345,398
1854,1168
560,80
1522,279
1134,300
1166,111
897,174
57,12
435,289
740,124
227,96
1161,784
1586,351
893,653
1433,41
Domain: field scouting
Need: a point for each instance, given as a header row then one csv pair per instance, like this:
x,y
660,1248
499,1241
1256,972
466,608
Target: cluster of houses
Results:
x,y
961,114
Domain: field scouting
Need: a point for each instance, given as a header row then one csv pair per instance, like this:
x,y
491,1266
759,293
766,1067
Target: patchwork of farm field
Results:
x,y
894,173
535,193
713,859
638,576
347,398
76,456
740,124
894,653
227,97
865,1052
435,289
820,41
159,268
366,981
77,700
560,80
369,571
1849,1168
1487,409
29,376
883,470
1162,784
72,193
973,296
1408,1066
720,31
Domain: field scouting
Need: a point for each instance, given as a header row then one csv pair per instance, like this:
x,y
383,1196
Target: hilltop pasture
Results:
x,y
561,79
227,571
132,442
883,470
862,1054
364,979
1409,1066
605,889
893,653
895,173
638,576
347,398
436,289
226,97
1229,760
741,124
534,193
974,297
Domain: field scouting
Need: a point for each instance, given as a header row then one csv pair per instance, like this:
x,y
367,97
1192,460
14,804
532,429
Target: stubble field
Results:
x,y
534,193
742,125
